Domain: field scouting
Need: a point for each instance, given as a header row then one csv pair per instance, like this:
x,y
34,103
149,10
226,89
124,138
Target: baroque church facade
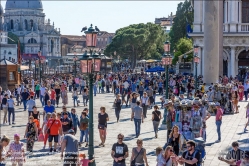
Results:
x,y
235,36
27,20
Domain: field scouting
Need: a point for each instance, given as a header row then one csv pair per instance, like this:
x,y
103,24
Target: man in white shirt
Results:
x,y
42,93
18,95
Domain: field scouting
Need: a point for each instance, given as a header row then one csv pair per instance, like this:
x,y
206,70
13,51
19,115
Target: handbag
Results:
x,y
48,131
83,126
133,162
40,137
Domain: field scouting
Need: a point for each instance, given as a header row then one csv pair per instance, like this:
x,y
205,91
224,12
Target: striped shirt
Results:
x,y
237,155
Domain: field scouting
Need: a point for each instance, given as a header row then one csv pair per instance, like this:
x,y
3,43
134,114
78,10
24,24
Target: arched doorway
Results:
x,y
243,63
225,67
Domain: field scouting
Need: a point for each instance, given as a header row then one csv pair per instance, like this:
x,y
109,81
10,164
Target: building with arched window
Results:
x,y
27,20
235,36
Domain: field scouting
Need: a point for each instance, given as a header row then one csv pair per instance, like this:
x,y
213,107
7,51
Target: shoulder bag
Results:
x,y
48,131
133,162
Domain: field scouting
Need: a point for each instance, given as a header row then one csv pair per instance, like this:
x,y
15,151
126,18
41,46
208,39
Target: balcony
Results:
x,y
240,27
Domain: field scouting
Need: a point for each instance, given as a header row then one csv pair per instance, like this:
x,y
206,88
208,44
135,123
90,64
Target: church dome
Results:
x,y
23,4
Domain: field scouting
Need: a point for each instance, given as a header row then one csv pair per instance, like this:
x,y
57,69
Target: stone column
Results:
x,y
232,64
233,15
213,39
198,6
202,61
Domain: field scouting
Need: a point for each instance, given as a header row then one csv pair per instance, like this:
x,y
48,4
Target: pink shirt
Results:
x,y
84,162
219,114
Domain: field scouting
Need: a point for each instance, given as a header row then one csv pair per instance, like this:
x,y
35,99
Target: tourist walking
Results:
x,y
102,125
31,133
25,97
75,120
35,113
170,157
247,117
118,106
133,100
46,96
16,151
37,90
119,151
18,95
160,157
156,117
70,146
64,97
84,128
175,140
137,115
66,123
138,155
52,95
85,96
218,119
5,108
53,129
11,109
44,128
30,103
42,94
3,152
145,103
57,93
49,108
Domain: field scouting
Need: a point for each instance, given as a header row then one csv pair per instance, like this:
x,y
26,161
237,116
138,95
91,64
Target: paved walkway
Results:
x,y
232,130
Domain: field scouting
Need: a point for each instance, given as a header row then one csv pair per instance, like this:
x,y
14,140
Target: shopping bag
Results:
x,y
40,137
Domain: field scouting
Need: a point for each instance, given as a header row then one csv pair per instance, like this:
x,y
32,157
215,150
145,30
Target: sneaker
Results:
x,y
51,149
13,123
156,135
44,147
87,145
217,141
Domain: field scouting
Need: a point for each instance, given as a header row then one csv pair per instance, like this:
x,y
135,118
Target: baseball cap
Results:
x,y
17,135
71,131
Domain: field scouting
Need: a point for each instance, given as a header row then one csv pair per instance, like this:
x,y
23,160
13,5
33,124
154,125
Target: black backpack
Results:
x,y
199,159
103,83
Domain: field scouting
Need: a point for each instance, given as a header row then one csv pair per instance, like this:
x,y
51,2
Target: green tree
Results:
x,y
184,15
182,46
137,41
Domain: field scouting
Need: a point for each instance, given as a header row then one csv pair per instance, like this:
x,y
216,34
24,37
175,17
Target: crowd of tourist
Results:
x,y
188,109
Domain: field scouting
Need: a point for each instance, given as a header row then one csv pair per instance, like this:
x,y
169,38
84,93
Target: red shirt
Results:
x,y
52,95
54,127
219,114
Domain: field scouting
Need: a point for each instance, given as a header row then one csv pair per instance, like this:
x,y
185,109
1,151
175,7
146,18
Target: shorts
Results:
x,y
56,138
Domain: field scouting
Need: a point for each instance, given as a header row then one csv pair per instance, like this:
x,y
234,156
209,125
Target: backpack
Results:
x,y
103,83
199,159
114,83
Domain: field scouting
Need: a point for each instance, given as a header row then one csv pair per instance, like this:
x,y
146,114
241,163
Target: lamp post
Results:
x,y
115,53
40,68
75,58
90,65
111,62
196,60
167,61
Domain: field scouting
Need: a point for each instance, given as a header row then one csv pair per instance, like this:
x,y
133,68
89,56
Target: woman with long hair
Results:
x,y
102,125
31,133
175,139
170,157
3,152
133,100
235,99
118,106
85,96
44,128
156,117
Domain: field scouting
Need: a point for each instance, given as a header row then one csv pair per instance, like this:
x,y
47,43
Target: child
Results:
x,y
84,161
247,116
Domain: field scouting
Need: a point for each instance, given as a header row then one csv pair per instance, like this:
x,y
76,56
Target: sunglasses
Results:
x,y
120,138
188,146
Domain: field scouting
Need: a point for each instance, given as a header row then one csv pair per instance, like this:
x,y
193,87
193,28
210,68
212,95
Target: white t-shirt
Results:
x,y
19,90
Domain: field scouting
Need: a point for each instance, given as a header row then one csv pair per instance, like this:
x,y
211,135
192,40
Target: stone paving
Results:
x,y
232,130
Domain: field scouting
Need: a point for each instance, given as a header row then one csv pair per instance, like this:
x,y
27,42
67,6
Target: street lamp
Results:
x,y
75,58
40,68
167,61
197,61
89,66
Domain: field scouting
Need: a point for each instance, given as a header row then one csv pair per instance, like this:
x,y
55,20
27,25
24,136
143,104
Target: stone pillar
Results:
x,y
198,6
213,39
232,64
202,61
233,15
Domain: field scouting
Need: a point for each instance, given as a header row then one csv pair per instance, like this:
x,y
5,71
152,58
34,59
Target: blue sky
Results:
x,y
109,16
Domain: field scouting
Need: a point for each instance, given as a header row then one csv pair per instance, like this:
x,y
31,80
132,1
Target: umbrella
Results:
x,y
151,70
150,60
159,69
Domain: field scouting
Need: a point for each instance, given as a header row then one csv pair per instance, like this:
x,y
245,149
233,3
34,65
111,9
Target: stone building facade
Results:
x,y
71,43
235,36
103,39
27,20
165,22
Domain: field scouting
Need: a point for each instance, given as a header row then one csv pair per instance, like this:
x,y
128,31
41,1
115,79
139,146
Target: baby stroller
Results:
x,y
200,148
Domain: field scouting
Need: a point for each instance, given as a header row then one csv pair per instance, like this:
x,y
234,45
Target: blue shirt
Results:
x,y
49,109
10,103
75,120
133,87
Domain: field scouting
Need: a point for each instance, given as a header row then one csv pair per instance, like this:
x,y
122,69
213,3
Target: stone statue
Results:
x,y
16,27
35,27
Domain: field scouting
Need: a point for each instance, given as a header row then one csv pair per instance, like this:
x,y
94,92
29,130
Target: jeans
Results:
x,y
246,94
37,92
94,90
70,88
82,134
81,88
75,100
24,104
52,101
18,99
11,111
85,100
118,164
145,108
117,112
57,99
2,164
42,100
137,126
155,126
218,124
